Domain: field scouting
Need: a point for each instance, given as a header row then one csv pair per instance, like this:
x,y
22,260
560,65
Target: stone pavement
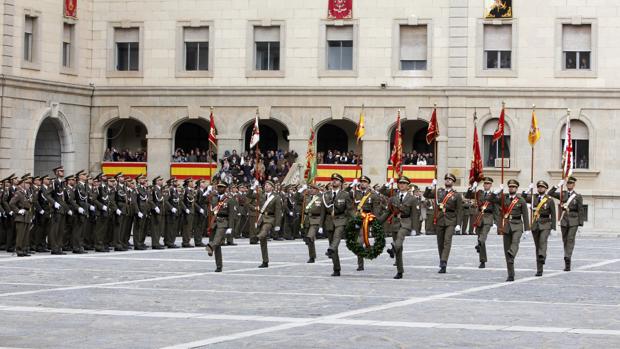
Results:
x,y
172,298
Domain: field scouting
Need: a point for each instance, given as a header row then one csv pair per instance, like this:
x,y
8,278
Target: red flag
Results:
x,y
499,133
310,172
339,9
567,156
212,131
475,173
71,8
433,129
397,151
255,133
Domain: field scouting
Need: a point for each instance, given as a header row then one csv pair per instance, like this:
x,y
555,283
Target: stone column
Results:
x,y
96,153
375,159
229,142
158,156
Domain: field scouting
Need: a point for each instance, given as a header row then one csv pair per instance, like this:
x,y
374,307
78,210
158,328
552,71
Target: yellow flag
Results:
x,y
361,129
534,134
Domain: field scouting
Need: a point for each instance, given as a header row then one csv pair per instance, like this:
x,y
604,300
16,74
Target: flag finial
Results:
x,y
533,106
568,111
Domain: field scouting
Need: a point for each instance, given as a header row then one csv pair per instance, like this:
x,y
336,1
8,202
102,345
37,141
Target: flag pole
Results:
x,y
436,167
256,150
563,172
501,226
209,146
532,175
357,150
476,130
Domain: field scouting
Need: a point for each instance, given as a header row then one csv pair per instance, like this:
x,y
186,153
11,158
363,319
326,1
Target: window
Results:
x,y
196,41
67,45
340,47
493,150
413,47
267,48
497,46
576,46
581,144
127,49
29,25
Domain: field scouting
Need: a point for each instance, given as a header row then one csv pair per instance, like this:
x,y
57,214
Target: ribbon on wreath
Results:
x,y
367,219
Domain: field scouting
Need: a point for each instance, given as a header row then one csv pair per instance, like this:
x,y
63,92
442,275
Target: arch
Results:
x,y
189,135
414,138
492,150
48,148
125,135
337,135
273,134
580,141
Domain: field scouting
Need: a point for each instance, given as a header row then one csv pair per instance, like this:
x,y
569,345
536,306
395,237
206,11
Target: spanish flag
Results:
x,y
534,134
361,128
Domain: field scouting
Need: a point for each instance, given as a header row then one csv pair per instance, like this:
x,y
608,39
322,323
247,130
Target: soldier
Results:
x,y
542,222
222,210
57,194
21,204
74,221
269,216
89,230
338,206
118,193
243,214
82,213
515,222
418,217
314,215
188,211
429,209
234,219
42,213
101,200
292,204
202,208
252,208
155,208
365,202
132,214
572,217
488,215
449,215
172,206
402,212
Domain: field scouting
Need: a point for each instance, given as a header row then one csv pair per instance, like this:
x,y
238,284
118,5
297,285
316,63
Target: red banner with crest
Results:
x,y
71,8
340,9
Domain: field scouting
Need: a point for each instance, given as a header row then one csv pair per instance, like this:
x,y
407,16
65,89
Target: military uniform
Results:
x,y
338,206
43,215
365,202
57,193
81,219
314,215
403,212
449,215
515,222
270,217
200,219
188,213
21,205
172,206
101,201
221,210
429,209
572,217
487,215
542,223
74,218
155,207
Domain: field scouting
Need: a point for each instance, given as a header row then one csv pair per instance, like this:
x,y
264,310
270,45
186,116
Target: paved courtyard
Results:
x,y
172,299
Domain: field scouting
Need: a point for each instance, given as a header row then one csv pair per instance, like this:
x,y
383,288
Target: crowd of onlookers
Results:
x,y
271,165
113,154
338,157
418,158
194,155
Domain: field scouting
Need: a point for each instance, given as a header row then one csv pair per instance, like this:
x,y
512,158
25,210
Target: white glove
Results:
x,y
354,182
70,213
202,211
474,186
413,232
174,210
499,190
118,212
434,183
529,206
80,210
320,231
457,228
389,184
11,213
290,214
140,215
56,205
494,226
304,187
561,183
276,229
42,212
21,212
105,208
228,231
157,209
91,207
531,186
187,211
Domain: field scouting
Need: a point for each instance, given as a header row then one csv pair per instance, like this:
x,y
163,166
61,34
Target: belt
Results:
x,y
514,217
488,211
574,211
315,215
545,216
450,211
222,216
404,216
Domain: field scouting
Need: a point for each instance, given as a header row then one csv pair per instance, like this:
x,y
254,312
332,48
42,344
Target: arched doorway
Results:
x,y
191,138
47,147
414,142
336,136
126,141
273,135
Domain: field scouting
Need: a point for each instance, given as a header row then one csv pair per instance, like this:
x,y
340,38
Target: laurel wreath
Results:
x,y
357,247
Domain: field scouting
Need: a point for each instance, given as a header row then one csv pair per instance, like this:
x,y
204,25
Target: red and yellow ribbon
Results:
x,y
367,219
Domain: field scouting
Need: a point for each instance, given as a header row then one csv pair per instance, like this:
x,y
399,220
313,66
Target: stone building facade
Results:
x,y
119,75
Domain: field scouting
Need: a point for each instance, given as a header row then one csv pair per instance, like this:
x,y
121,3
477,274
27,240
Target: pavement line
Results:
x,y
576,304
366,310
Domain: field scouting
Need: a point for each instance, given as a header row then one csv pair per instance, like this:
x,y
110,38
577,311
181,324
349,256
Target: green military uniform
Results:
x,y
101,200
365,202
82,213
155,207
429,208
572,217
487,215
172,206
222,209
188,211
403,212
59,212
75,216
314,215
542,223
43,215
449,215
21,205
338,206
270,217
200,219
131,217
515,222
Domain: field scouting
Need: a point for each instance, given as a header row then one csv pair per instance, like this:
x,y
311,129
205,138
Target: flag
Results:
x,y
397,151
361,128
475,173
212,131
499,133
310,172
433,129
567,155
534,134
255,134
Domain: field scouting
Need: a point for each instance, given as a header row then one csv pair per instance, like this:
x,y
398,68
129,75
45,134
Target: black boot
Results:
x,y
482,265
442,267
511,272
311,260
566,264
264,265
329,253
539,269
336,273
209,250
390,251
398,276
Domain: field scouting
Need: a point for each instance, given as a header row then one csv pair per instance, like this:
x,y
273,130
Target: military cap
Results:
x,y
79,173
270,183
36,178
58,168
542,184
118,175
27,175
10,177
187,180
365,179
222,185
488,180
513,183
98,177
403,180
69,177
44,177
338,177
140,176
450,176
156,179
571,179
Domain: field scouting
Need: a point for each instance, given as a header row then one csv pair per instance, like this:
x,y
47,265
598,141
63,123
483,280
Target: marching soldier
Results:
x,y
172,206
402,211
572,217
155,208
543,222
57,194
188,211
234,219
202,207
449,215
314,214
417,219
21,204
429,208
515,221
365,202
488,215
252,209
222,210
338,206
269,216
89,230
